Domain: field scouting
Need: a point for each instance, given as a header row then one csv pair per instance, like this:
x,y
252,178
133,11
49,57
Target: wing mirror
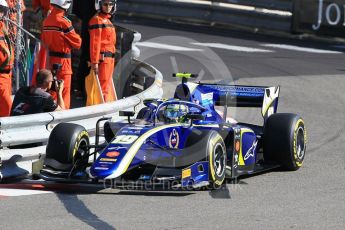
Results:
x,y
127,114
195,116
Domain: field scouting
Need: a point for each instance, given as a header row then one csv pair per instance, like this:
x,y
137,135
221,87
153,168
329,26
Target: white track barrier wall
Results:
x,y
259,15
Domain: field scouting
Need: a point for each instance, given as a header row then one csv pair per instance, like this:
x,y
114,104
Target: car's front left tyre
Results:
x,y
67,147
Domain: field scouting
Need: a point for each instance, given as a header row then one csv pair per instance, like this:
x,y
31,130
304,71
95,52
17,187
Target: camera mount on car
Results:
x,y
127,114
185,76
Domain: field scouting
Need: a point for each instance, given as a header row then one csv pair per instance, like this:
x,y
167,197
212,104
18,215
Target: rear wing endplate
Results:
x,y
270,102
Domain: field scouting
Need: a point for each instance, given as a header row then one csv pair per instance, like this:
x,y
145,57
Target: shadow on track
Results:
x,y
221,193
78,209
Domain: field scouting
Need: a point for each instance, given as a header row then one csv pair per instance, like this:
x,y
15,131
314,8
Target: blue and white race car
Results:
x,y
184,139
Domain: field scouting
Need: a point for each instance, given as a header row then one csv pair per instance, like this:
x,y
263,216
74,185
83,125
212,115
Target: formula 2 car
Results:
x,y
183,139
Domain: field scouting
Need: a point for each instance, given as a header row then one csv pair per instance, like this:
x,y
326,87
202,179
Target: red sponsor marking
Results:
x,y
37,186
237,146
113,154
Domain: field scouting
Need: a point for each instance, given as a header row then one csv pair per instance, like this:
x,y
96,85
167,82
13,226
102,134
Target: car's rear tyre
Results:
x,y
285,139
67,147
207,146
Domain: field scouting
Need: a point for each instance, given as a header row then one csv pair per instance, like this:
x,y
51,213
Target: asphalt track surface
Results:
x,y
312,85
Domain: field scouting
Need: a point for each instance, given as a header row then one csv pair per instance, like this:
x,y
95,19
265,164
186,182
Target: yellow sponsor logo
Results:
x,y
108,159
186,173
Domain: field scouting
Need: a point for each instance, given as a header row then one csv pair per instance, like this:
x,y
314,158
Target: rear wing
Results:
x,y
244,96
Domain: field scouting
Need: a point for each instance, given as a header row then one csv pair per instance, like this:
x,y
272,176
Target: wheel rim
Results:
x,y
81,150
300,144
219,160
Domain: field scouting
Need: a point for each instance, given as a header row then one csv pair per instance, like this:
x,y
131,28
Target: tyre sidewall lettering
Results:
x,y
299,124
213,141
81,135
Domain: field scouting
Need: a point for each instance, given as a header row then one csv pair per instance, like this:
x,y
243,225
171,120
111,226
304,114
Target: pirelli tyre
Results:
x,y
285,140
67,147
217,159
207,146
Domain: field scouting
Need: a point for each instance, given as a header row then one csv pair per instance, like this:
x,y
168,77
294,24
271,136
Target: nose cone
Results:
x,y
109,162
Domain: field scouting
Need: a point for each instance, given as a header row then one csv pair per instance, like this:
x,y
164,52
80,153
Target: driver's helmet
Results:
x,y
175,113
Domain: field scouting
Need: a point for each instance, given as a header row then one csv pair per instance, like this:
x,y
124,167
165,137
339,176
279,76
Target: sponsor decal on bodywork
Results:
x,y
112,154
108,159
251,151
237,143
206,99
125,139
101,168
186,173
244,91
174,139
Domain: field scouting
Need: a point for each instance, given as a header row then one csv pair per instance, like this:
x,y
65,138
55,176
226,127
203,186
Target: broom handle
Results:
x,y
99,86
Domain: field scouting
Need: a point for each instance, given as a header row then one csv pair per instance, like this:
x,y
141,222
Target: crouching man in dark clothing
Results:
x,y
36,99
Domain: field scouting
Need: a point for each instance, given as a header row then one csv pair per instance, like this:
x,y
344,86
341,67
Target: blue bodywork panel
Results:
x,y
198,173
249,144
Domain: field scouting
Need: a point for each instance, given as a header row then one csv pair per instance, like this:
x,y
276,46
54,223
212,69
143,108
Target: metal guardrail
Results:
x,y
246,14
283,5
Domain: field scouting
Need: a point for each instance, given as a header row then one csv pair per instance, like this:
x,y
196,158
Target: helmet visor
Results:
x,y
176,111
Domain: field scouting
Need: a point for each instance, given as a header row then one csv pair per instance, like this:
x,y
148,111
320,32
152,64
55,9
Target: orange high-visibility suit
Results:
x,y
102,50
60,37
6,63
43,4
